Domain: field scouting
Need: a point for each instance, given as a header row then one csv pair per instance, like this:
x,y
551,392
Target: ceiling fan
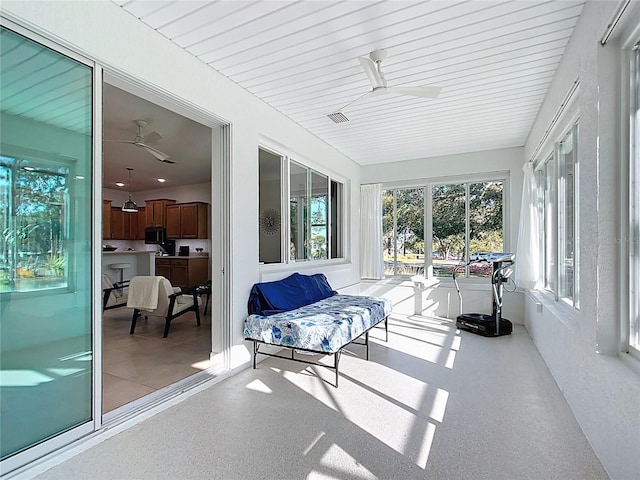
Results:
x,y
372,66
143,141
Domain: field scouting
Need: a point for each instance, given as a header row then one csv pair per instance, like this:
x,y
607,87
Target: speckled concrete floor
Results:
x,y
432,403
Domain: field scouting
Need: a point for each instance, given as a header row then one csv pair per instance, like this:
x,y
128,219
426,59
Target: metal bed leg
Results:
x,y
366,342
255,352
386,328
336,361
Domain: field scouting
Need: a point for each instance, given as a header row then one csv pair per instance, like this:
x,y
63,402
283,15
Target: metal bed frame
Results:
x,y
336,355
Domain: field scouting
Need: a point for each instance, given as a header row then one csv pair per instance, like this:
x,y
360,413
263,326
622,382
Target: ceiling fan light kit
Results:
x,y
129,206
372,67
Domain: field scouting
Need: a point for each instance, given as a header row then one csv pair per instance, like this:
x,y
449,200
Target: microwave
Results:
x,y
155,235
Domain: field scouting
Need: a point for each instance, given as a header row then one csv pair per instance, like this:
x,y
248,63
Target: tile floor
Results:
x,y
139,364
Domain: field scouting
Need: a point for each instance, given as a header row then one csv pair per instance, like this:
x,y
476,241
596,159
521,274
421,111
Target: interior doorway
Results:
x,y
158,156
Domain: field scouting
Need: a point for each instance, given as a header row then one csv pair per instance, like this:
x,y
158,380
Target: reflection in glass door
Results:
x,y
45,243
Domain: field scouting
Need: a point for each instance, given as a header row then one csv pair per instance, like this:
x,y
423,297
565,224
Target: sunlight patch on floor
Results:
x,y
22,378
64,372
259,386
202,365
439,405
425,448
328,466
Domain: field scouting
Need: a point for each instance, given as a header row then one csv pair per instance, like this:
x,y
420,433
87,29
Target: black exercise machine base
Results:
x,y
483,324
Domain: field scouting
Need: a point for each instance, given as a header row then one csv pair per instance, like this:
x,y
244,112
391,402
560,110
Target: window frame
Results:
x,y
551,237
21,155
427,184
287,158
631,327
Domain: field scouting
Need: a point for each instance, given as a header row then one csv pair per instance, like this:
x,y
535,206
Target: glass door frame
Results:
x,y
27,458
222,271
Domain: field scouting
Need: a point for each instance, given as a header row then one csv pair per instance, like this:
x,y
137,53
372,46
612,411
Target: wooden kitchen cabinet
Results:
x,y
124,225
163,267
155,212
183,272
106,219
117,224
187,220
141,223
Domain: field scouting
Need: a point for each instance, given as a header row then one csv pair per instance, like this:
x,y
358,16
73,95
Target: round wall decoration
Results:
x,y
270,221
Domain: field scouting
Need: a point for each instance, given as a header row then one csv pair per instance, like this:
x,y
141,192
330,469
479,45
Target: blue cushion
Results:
x,y
318,286
295,291
268,298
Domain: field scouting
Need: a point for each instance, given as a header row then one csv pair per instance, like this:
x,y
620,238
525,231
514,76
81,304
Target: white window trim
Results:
x,y
550,154
567,116
427,183
288,155
630,148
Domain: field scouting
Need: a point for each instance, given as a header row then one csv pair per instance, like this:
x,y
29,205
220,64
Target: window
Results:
x,y
314,220
558,209
403,231
634,205
270,206
467,220
34,204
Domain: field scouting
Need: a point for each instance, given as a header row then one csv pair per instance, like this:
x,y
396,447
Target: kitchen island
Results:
x,y
142,262
184,271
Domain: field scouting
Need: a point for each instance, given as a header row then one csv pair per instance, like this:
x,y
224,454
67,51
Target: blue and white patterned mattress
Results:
x,y
324,326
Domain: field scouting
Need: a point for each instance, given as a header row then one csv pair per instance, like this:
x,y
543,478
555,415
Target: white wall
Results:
x,y
581,347
104,32
441,298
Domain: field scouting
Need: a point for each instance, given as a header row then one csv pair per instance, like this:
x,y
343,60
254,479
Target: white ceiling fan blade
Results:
x,y
161,156
425,92
372,72
118,141
153,137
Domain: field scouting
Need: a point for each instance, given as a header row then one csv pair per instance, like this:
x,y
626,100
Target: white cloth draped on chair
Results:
x,y
143,293
527,266
371,262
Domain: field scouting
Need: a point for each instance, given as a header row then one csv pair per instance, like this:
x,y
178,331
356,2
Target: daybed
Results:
x,y
302,313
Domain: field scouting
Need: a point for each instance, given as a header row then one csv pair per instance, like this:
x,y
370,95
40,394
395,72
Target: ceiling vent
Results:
x,y
338,117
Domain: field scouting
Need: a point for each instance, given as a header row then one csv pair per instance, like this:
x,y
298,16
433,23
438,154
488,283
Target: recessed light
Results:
x,y
79,177
161,180
119,184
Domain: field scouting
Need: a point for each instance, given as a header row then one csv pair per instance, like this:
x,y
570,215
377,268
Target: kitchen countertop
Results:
x,y
120,252
182,256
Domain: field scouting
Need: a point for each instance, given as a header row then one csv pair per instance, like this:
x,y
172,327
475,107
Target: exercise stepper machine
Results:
x,y
493,325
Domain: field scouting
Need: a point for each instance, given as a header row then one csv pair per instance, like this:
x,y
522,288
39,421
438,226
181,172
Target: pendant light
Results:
x,y
130,206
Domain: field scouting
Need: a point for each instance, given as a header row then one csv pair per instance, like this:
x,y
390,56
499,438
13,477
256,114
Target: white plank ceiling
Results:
x,y
493,59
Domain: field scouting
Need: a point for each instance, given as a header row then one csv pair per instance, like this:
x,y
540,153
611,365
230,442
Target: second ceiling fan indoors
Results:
x,y
143,141
372,67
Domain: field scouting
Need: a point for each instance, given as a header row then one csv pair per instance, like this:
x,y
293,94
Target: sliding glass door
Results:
x,y
46,355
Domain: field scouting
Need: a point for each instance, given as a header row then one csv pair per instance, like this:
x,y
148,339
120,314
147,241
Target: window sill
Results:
x,y
302,265
567,314
630,361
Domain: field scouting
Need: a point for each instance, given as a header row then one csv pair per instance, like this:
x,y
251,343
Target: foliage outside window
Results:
x,y
34,204
314,217
558,209
309,207
466,221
